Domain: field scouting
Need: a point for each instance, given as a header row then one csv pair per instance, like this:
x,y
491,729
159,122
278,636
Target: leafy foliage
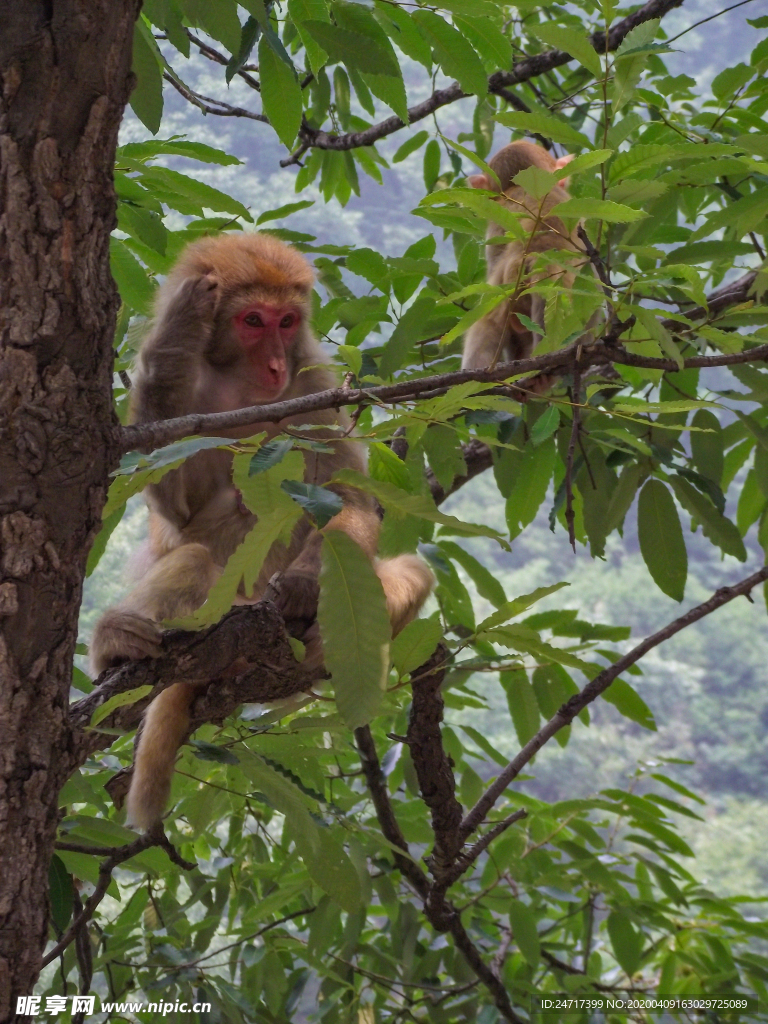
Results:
x,y
300,907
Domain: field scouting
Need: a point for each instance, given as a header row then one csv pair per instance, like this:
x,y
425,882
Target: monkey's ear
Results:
x,y
480,181
561,162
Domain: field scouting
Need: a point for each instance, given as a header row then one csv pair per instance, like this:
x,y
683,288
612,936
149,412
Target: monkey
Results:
x,y
501,333
231,330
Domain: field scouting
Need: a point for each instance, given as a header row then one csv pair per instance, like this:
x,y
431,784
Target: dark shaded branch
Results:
x,y
245,657
468,857
385,812
565,715
484,972
498,82
434,769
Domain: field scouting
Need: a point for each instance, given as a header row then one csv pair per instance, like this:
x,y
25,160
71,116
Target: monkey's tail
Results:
x,y
407,582
165,725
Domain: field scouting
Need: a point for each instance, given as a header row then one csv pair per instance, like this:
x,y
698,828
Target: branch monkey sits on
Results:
x,y
231,330
501,335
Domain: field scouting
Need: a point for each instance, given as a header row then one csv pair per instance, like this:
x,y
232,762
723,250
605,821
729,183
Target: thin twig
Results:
x,y
565,715
570,515
118,855
209,105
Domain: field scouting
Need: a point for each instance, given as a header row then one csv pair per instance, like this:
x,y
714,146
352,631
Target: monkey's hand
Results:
x,y
123,636
295,593
195,302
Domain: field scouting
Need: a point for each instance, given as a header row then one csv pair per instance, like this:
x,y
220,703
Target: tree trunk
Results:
x,y
65,78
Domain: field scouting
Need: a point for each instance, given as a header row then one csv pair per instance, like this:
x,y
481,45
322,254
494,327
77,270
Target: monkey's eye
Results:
x,y
287,321
254,320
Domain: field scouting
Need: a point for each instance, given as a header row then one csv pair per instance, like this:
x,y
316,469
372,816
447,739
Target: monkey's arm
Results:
x,y
169,361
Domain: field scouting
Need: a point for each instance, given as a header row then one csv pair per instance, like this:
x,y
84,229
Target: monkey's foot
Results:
x,y
295,594
123,636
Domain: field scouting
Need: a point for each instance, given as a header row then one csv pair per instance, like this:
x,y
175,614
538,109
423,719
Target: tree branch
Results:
x,y
245,657
498,82
565,715
209,105
603,352
385,812
117,856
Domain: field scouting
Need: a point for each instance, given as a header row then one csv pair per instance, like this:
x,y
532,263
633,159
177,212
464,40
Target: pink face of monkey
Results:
x,y
266,333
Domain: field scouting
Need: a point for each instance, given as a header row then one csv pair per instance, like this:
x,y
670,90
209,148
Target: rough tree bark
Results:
x,y
65,78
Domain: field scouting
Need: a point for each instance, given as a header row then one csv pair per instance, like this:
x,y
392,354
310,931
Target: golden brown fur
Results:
x,y
195,359
500,334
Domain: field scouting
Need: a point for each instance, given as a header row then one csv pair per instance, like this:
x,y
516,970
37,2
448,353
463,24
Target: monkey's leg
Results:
x,y
176,584
407,583
488,340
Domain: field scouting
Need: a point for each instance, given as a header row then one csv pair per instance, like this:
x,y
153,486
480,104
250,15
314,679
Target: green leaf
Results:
x,y
707,448
545,124
354,625
249,36
400,28
319,502
452,51
176,146
518,605
431,164
444,454
626,941
404,504
301,11
322,853
107,528
137,470
599,209
661,539
415,643
522,920
147,97
410,146
353,49
570,40
144,225
211,752
487,584
61,893
523,706
218,18
530,485
721,531
119,700
630,704
487,38
136,287
269,455
281,97
167,184
284,211
545,426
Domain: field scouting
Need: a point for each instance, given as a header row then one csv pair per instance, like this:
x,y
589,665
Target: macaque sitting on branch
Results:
x,y
500,334
231,330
